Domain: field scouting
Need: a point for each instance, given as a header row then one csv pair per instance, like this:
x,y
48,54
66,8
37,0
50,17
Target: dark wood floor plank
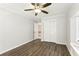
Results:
x,y
65,51
37,51
38,48
34,49
46,51
52,50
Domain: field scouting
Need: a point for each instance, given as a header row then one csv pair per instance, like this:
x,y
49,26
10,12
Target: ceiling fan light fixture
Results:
x,y
37,10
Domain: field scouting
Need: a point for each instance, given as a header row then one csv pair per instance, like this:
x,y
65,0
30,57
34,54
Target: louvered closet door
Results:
x,y
50,31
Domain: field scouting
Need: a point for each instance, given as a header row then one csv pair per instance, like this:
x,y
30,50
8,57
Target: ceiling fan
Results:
x,y
39,7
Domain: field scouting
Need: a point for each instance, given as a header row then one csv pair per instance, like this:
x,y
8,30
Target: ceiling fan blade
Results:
x,y
28,9
44,11
46,5
33,4
36,14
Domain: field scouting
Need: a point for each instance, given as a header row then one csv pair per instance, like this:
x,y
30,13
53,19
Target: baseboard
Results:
x,y
68,46
71,50
61,43
14,47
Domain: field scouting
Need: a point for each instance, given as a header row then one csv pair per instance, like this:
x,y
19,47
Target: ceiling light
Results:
x,y
37,10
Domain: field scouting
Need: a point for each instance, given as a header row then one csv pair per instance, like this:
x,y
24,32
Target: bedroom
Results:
x,y
18,27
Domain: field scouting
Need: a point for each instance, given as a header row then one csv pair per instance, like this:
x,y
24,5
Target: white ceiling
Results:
x,y
54,9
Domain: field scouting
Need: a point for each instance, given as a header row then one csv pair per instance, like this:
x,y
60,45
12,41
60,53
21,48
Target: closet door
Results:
x,y
38,31
50,31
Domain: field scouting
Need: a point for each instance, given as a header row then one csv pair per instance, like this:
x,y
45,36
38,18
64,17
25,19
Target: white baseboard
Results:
x,y
63,43
14,47
71,50
68,46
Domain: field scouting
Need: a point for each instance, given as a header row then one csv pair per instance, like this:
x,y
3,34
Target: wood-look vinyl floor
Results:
x,y
38,48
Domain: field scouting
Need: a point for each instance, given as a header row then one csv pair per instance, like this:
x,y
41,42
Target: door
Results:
x,y
38,30
50,31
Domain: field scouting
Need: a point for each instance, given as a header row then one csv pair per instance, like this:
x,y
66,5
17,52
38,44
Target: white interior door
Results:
x,y
38,31
50,31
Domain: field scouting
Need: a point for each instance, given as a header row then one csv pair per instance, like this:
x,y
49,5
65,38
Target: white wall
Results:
x,y
49,28
71,26
60,27
14,29
71,22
